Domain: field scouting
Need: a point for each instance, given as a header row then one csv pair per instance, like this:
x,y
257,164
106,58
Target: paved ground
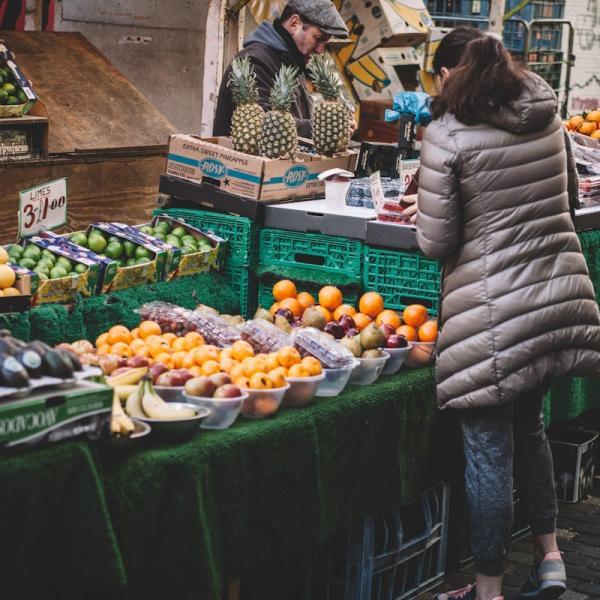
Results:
x,y
579,539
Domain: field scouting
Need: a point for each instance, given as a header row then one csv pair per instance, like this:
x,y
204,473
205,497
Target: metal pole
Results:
x,y
497,16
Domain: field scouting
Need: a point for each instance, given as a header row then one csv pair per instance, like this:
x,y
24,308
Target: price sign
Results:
x,y
376,188
43,207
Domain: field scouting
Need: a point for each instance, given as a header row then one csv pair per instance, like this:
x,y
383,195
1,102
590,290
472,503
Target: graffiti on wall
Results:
x,y
587,26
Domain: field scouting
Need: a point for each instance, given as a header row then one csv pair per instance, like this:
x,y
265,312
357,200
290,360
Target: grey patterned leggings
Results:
x,y
495,438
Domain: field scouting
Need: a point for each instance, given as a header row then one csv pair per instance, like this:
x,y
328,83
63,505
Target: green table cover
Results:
x,y
179,521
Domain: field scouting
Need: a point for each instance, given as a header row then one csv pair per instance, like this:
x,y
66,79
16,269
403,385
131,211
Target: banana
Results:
x,y
130,377
156,408
124,391
120,422
133,406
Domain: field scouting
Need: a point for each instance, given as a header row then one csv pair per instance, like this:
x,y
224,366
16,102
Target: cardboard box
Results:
x,y
434,37
384,72
196,262
213,160
53,415
372,126
7,60
386,23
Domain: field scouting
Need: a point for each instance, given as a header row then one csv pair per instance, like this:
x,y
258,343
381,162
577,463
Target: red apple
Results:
x,y
137,361
387,330
396,341
334,329
347,322
352,332
220,379
184,374
157,369
228,391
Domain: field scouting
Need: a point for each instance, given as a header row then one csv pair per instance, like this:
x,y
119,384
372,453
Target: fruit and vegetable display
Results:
x,y
11,93
46,263
587,123
177,235
8,275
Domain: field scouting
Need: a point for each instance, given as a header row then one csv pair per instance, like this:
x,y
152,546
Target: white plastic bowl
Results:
x,y
262,403
369,369
302,390
335,381
170,394
223,411
421,354
396,360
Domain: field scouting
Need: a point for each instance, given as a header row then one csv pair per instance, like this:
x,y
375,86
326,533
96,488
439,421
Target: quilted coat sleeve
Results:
x,y
573,178
438,217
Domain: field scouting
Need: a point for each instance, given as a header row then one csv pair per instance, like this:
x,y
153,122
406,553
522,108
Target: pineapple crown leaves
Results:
x,y
242,81
324,76
284,88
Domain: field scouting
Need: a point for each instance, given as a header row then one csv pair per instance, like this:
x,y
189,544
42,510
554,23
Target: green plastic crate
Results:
x,y
265,293
402,278
244,284
241,232
313,250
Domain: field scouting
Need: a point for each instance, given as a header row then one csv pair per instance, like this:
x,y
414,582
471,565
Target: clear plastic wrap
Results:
x,y
213,329
359,193
171,318
264,336
322,346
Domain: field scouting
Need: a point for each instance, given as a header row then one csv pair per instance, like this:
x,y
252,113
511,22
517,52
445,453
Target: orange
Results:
x,y
344,309
428,331
159,347
260,381
274,308
414,315
242,382
136,345
121,349
178,344
101,340
305,300
118,333
135,333
596,134
272,361
143,352
210,367
330,297
148,328
166,359
284,289
103,349
587,127
169,338
195,370
192,340
204,353
225,353
277,376
324,312
575,121
361,321
241,350
288,356
178,358
254,365
292,305
313,365
593,115
389,317
236,372
227,364
408,331
371,304
298,370
188,360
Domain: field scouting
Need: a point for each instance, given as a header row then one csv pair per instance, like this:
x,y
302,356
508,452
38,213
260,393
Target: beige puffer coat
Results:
x,y
518,305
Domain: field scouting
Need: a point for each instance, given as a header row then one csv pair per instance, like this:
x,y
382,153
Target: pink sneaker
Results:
x,y
466,593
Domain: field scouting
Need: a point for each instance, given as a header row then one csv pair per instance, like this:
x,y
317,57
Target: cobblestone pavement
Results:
x,y
578,538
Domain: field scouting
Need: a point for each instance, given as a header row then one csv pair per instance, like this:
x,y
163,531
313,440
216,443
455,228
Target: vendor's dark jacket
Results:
x,y
518,305
269,47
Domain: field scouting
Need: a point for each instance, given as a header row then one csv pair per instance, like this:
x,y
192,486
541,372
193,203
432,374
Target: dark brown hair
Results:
x,y
484,75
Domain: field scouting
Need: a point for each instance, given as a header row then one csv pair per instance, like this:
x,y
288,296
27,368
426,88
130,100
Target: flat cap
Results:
x,y
323,14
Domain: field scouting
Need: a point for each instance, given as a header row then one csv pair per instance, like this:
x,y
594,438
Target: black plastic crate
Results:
x,y
573,453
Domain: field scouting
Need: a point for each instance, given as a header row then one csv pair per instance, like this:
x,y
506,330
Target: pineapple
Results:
x,y
330,121
279,134
248,117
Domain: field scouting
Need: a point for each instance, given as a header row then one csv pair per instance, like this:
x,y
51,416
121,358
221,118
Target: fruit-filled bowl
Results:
x,y
223,411
178,428
369,369
263,403
302,390
133,440
335,380
421,354
396,359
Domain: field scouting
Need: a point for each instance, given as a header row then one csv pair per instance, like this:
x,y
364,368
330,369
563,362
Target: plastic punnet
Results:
x,y
311,341
264,336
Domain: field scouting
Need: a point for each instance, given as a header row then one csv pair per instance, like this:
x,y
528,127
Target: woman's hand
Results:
x,y
411,211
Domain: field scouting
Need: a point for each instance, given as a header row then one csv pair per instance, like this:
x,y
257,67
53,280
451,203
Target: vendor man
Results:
x,y
304,28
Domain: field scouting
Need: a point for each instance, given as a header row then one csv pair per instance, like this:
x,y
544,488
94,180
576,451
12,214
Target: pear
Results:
x,y
263,313
352,344
372,337
283,324
313,317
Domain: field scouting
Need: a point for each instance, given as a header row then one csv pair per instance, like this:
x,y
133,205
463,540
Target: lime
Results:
x,y
173,240
147,230
190,240
42,269
80,268
12,101
32,251
204,247
80,239
120,263
15,251
188,250
65,263
27,263
114,250
130,262
163,227
113,238
43,276
73,274
21,96
160,236
46,263
3,96
142,261
96,243
141,252
129,248
48,255
10,88
58,272
179,232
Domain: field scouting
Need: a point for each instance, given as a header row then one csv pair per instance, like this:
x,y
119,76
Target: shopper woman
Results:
x,y
518,306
